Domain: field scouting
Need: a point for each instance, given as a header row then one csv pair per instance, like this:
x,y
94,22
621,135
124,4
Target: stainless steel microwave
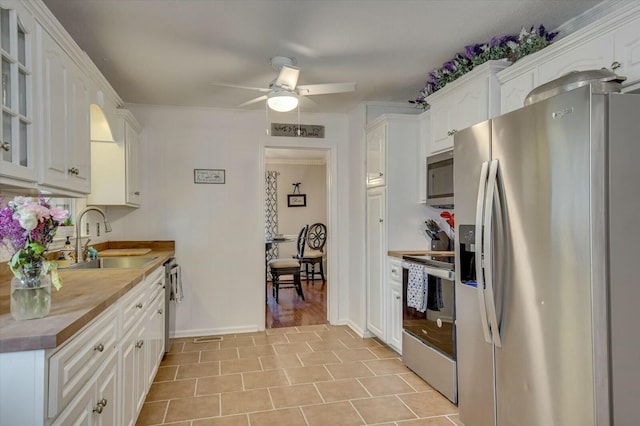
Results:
x,y
440,180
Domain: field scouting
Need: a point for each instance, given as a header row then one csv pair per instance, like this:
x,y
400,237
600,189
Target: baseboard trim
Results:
x,y
213,331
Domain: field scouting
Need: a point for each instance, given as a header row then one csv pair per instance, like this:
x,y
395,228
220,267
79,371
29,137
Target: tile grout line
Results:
x,y
357,412
405,404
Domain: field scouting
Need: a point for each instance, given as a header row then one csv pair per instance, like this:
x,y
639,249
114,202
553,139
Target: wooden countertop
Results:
x,y
85,295
400,253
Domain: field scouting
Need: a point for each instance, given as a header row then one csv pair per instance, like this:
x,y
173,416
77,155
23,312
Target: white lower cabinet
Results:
x,y
100,376
394,299
97,403
132,373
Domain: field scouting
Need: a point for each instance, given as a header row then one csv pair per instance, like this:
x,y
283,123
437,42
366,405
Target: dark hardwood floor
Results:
x,y
292,310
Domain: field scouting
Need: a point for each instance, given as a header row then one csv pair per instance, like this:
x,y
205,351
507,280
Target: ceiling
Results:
x,y
169,52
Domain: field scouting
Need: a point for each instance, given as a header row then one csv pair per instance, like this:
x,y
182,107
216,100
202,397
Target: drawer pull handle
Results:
x,y
6,146
136,193
397,297
615,65
139,344
451,132
99,347
160,311
100,405
139,306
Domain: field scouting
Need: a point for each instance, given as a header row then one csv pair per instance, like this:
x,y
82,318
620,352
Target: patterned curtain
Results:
x,y
271,211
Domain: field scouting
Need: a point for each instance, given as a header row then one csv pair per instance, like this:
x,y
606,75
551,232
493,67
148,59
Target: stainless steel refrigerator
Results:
x,y
547,203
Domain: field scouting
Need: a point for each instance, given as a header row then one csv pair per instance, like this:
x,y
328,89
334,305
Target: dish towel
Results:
x,y
416,288
176,284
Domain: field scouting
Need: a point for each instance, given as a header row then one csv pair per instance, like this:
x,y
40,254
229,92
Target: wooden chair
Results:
x,y
316,239
280,267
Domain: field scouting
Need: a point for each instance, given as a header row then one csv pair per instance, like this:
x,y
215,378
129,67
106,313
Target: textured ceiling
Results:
x,y
168,52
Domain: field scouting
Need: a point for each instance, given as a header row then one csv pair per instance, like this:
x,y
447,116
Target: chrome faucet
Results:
x,y
80,253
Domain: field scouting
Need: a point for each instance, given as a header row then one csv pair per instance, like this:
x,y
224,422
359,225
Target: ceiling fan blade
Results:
x,y
288,77
325,89
235,86
253,101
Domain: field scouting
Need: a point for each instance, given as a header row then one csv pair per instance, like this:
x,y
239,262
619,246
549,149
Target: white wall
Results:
x,y
219,229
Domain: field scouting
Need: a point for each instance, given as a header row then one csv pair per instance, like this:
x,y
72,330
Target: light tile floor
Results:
x,y
309,376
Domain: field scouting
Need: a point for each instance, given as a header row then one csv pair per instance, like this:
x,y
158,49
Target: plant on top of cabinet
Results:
x,y
509,47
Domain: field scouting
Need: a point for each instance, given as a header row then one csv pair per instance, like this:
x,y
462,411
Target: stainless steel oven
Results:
x,y
440,180
428,322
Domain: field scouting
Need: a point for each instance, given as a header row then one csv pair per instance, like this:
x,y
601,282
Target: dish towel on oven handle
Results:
x,y
416,288
175,283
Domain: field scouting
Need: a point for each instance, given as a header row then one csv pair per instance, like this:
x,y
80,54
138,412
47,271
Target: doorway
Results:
x,y
296,194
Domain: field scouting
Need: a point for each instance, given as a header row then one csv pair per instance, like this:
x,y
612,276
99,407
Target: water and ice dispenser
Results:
x,y
467,249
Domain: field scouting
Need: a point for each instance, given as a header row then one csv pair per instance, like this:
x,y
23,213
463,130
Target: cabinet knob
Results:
x,y
380,174
6,146
160,311
397,297
139,306
100,405
615,65
139,343
99,347
451,132
380,220
136,193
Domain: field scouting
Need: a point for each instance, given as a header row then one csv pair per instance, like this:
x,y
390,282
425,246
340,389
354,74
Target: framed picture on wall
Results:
x,y
209,176
297,200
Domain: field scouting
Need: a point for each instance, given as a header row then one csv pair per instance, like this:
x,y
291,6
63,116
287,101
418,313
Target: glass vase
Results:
x,y
31,294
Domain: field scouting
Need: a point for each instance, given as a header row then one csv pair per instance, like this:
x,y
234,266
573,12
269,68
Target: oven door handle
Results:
x,y
436,272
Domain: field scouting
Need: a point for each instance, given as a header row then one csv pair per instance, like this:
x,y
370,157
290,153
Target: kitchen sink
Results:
x,y
127,262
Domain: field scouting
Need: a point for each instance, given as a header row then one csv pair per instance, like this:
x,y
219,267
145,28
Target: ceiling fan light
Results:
x,y
282,101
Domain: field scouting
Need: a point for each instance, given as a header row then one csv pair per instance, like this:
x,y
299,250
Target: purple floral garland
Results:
x,y
506,47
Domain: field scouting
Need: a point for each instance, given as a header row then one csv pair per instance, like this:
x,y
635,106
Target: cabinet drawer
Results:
x,y
395,271
73,365
133,306
154,284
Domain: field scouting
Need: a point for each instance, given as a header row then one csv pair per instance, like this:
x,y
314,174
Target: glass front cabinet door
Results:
x,y
17,29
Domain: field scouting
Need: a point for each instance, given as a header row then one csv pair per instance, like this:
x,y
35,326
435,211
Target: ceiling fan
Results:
x,y
283,92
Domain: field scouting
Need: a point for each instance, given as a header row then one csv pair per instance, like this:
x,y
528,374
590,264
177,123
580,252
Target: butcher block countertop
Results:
x,y
85,294
400,253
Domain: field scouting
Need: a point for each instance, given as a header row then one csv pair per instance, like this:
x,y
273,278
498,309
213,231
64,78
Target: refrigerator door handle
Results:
x,y
482,186
488,252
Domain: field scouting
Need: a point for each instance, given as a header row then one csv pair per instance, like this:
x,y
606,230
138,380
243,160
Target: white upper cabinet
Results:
x,y
514,91
594,54
65,131
115,167
376,155
17,42
48,86
626,42
612,42
473,98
